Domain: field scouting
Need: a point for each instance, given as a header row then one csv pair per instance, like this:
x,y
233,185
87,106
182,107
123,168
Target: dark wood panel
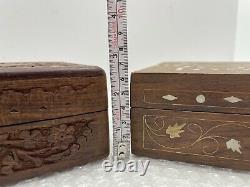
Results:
x,y
34,70
49,98
197,137
220,93
39,148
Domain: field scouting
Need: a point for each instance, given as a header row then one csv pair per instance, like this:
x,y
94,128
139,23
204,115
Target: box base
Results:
x,y
196,137
39,148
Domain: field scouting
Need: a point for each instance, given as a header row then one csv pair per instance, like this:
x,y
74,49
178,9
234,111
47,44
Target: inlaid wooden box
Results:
x,y
197,113
53,116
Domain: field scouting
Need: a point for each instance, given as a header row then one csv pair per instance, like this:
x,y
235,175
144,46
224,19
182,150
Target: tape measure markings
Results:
x,y
118,56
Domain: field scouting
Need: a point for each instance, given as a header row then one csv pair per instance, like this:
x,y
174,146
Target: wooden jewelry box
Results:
x,y
53,116
197,113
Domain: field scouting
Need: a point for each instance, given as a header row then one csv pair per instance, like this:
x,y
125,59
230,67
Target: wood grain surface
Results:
x,y
39,148
199,68
193,112
196,137
39,98
148,91
30,70
53,116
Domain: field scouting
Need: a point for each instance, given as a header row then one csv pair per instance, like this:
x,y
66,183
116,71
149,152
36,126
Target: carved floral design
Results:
x,y
32,139
62,136
190,137
33,148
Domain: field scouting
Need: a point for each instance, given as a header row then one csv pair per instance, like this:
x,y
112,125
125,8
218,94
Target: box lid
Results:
x,y
46,69
40,91
210,87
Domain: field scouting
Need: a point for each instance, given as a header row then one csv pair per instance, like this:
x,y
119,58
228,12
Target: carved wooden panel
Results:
x,y
39,99
36,148
53,116
205,138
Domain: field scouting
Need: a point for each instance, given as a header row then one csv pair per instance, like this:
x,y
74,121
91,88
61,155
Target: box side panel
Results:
x,y
39,148
204,138
31,100
192,92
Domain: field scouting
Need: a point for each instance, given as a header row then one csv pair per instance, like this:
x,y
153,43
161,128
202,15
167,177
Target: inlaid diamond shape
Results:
x,y
169,97
233,99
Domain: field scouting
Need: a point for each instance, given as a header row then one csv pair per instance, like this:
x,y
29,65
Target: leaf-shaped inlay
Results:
x,y
233,99
174,131
169,97
234,145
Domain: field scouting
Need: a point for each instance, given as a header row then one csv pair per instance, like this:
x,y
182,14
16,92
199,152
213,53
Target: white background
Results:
x,y
242,51
159,30
76,31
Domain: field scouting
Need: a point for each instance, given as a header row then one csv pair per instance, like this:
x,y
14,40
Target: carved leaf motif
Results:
x,y
62,136
169,97
176,130
58,156
7,165
234,145
32,139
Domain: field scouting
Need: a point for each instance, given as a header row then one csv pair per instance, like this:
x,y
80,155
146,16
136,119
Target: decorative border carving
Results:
x,y
45,98
36,147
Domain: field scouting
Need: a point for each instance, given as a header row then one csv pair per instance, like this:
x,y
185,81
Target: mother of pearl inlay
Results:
x,y
233,99
169,97
201,99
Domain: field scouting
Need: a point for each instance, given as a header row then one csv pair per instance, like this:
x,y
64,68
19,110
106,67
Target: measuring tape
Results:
x,y
118,57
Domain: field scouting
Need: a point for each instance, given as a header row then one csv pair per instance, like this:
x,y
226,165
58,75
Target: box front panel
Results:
x,y
192,92
197,137
31,100
38,148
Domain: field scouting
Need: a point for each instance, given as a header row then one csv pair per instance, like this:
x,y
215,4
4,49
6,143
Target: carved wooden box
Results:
x,y
198,113
53,116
